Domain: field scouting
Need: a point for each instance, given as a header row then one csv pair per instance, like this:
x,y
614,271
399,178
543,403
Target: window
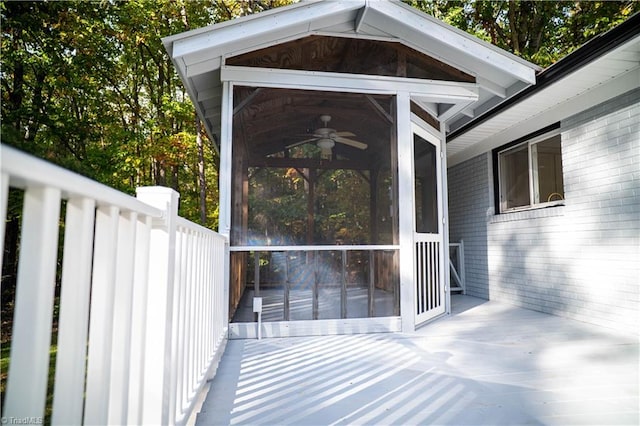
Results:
x,y
530,174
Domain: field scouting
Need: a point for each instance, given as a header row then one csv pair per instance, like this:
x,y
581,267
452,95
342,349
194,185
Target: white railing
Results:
x,y
456,266
143,301
201,295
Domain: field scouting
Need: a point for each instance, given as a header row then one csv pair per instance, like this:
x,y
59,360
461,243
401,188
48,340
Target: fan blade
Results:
x,y
350,142
345,134
301,143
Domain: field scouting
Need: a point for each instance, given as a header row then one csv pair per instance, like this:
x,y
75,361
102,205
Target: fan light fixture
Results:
x,y
325,145
325,138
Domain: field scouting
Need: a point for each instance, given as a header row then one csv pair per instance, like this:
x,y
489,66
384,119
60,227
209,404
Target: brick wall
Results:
x,y
580,260
469,205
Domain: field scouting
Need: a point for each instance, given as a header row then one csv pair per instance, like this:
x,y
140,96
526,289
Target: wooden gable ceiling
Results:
x,y
267,120
351,55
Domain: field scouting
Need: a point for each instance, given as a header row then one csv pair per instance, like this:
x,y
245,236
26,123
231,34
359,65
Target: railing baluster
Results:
x,y
101,322
119,387
31,337
177,376
74,312
211,284
186,372
191,309
199,309
139,321
199,300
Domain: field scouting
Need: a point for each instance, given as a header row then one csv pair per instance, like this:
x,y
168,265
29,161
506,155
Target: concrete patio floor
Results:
x,y
488,363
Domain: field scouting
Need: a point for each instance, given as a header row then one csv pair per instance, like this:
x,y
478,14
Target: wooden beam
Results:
x,y
246,101
379,109
423,114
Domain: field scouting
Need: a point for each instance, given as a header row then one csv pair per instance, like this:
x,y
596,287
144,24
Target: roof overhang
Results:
x,y
602,69
199,55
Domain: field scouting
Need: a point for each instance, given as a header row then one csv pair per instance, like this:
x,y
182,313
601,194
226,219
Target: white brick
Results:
x,y
581,260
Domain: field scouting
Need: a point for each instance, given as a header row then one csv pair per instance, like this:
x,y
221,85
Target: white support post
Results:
x,y
29,367
405,215
226,160
445,217
74,312
158,361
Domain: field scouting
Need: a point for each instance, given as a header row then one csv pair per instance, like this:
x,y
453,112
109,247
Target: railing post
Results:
x,y
158,360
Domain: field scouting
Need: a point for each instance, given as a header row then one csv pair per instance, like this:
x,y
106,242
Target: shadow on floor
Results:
x,y
488,364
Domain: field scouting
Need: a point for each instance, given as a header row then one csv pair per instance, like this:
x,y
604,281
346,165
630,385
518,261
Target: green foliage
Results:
x,y
89,86
278,207
539,31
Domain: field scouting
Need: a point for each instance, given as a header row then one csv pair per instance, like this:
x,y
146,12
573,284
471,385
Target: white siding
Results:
x,y
580,260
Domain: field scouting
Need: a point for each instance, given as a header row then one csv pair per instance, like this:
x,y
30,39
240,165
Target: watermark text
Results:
x,y
21,420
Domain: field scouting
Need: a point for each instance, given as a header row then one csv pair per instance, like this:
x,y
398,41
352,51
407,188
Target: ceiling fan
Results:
x,y
326,138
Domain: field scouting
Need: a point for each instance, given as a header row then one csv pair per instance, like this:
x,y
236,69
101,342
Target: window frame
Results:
x,y
529,141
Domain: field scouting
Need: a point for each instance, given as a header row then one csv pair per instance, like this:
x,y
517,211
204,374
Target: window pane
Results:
x,y
549,170
514,178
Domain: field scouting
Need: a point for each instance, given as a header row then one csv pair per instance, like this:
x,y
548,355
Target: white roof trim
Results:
x,y
548,110
604,78
199,55
258,26
453,38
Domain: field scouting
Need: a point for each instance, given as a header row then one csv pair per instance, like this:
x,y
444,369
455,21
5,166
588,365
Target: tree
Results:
x,y
539,31
88,86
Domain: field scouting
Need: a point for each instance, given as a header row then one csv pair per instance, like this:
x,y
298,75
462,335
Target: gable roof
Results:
x,y
199,55
606,66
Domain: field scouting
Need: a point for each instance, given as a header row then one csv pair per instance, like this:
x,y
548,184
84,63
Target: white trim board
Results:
x,y
432,90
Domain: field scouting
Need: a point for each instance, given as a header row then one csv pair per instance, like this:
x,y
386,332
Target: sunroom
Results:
x,y
331,119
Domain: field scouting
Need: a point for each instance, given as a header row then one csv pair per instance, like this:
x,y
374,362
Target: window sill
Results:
x,y
530,213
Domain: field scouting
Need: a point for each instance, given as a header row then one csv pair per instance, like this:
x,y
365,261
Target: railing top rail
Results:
x,y
25,171
316,248
185,223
